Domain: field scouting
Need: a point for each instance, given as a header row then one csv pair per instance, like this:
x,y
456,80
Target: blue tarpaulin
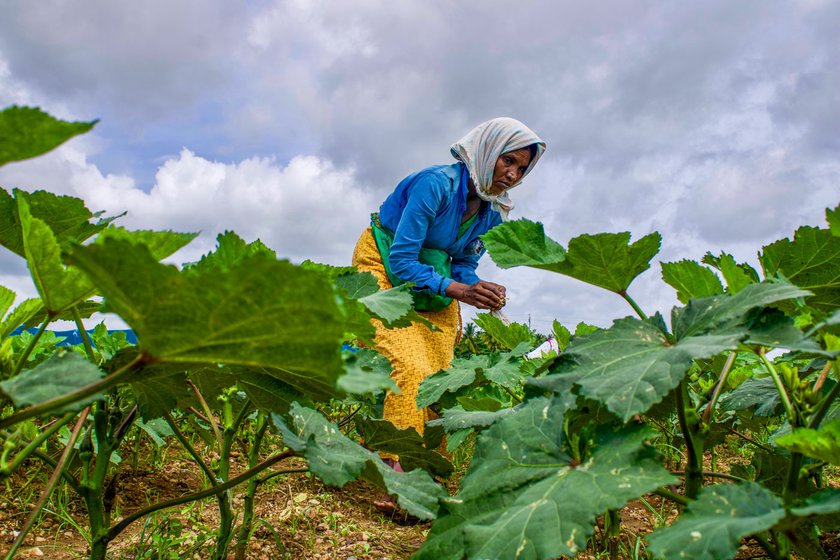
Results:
x,y
74,337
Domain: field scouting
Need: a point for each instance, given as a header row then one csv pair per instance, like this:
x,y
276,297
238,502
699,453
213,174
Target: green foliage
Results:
x,y
26,132
737,275
833,219
607,260
523,243
712,526
523,496
337,460
811,261
257,312
63,373
508,336
691,280
822,444
381,435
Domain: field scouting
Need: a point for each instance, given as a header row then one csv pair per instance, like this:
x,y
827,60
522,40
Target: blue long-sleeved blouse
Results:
x,y
425,210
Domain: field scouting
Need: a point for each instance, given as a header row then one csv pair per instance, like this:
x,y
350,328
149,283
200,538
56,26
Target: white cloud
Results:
x,y
714,122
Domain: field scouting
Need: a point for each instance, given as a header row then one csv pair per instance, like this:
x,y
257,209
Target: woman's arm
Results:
x,y
424,200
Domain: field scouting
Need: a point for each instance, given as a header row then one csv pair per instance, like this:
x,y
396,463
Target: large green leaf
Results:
x,y
833,219
161,244
691,280
381,435
59,287
509,336
394,307
712,526
461,373
501,369
633,364
337,460
66,216
607,260
60,374
811,261
716,314
456,418
261,312
26,132
158,389
523,496
230,250
822,503
523,243
7,298
737,275
822,444
759,393
368,371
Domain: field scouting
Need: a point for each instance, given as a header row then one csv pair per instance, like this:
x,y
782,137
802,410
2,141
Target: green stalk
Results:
x,y
95,488
215,490
30,347
226,517
613,519
780,387
694,447
713,474
83,333
36,443
210,418
208,472
250,493
724,374
822,408
68,399
668,495
512,394
51,484
633,304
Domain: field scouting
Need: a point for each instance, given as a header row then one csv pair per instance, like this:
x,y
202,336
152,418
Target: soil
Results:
x,y
299,518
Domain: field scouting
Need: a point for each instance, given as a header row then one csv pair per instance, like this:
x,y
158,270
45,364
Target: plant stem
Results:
x,y
65,400
824,405
694,449
714,474
349,417
95,488
247,475
83,334
513,395
613,531
780,387
768,548
51,484
251,491
190,449
750,440
275,474
823,375
668,495
633,304
30,347
724,373
210,418
36,443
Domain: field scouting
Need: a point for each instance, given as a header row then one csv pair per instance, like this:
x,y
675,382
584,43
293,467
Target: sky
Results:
x,y
713,122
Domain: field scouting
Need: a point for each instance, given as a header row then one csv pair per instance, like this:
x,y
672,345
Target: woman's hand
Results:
x,y
482,294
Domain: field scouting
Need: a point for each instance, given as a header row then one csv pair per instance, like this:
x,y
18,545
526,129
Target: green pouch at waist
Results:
x,y
437,258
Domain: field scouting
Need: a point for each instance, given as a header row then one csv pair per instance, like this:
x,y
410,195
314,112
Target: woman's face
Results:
x,y
510,167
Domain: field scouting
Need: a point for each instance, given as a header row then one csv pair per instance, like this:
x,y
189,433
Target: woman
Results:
x,y
427,233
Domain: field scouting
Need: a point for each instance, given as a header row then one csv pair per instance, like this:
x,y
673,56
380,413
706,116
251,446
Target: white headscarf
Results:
x,y
483,145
